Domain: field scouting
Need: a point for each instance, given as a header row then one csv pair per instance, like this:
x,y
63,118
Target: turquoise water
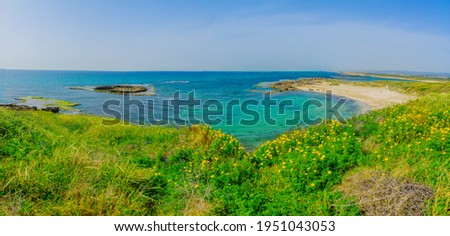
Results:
x,y
222,86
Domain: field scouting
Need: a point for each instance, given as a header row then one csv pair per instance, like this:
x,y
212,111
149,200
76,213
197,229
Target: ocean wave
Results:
x,y
176,82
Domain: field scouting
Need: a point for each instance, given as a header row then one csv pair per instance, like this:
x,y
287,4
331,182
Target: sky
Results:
x,y
231,35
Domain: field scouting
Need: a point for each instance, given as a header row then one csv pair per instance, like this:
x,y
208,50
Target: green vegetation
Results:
x,y
417,88
58,164
42,102
409,141
72,165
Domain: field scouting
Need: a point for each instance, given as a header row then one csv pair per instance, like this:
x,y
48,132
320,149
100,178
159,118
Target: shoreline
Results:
x,y
373,97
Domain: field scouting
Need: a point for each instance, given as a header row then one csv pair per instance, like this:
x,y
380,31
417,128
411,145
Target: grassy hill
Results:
x,y
393,161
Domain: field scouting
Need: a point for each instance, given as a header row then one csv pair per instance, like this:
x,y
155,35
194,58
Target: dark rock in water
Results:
x,y
134,89
28,108
52,109
17,107
121,89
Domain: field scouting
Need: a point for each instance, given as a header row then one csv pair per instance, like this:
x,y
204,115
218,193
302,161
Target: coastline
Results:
x,y
374,97
41,103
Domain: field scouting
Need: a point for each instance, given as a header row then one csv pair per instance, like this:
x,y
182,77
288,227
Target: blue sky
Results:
x,y
225,35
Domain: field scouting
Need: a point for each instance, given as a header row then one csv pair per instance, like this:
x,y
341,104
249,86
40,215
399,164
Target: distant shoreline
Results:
x,y
429,79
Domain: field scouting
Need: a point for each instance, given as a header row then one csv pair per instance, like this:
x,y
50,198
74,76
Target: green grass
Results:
x,y
73,165
57,164
48,102
416,88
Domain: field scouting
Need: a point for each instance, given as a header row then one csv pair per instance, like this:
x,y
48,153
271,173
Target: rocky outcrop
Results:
x,y
292,85
17,107
136,90
51,109
121,89
28,108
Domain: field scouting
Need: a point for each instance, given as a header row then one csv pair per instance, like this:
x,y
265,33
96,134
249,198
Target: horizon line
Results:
x,y
231,71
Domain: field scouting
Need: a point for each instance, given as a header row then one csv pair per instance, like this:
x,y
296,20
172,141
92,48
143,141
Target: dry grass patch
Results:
x,y
196,201
379,194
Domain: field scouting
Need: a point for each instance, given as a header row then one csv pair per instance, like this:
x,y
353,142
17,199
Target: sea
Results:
x,y
238,103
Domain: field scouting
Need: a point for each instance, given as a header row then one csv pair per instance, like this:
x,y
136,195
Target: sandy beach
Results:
x,y
373,97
